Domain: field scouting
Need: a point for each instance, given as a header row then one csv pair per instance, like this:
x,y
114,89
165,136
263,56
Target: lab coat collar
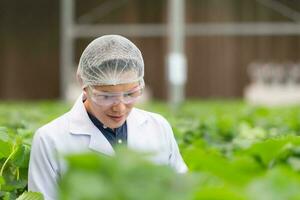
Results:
x,y
80,124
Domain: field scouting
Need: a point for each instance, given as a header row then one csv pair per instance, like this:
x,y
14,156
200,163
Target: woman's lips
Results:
x,y
116,118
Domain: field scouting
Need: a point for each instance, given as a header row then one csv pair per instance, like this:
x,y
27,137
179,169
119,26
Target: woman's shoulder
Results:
x,y
150,116
58,125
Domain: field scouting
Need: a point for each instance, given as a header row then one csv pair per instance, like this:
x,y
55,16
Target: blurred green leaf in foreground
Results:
x,y
126,176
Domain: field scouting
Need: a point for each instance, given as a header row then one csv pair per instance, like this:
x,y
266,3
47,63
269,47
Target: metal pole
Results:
x,y
281,8
176,60
191,29
67,46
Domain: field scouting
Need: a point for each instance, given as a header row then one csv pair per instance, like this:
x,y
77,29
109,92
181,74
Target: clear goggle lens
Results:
x,y
111,98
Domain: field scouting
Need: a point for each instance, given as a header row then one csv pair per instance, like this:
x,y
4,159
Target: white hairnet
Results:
x,y
110,60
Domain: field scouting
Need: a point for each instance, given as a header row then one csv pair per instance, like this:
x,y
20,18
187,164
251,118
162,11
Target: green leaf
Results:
x,y
294,163
5,144
3,134
5,149
238,171
271,151
277,184
2,180
216,193
94,176
21,157
31,196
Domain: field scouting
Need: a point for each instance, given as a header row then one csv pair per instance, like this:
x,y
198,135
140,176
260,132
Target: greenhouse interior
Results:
x,y
143,99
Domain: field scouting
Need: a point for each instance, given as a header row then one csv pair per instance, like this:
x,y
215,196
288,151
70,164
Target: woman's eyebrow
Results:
x,y
110,92
107,90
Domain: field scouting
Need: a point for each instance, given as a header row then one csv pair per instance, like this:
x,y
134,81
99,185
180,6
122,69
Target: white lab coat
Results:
x,y
74,132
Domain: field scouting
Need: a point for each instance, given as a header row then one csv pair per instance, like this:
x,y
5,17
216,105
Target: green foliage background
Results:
x,y
233,151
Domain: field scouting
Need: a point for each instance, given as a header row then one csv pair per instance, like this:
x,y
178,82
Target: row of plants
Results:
x,y
233,150
18,122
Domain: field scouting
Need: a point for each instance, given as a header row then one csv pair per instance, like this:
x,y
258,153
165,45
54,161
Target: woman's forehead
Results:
x,y
116,88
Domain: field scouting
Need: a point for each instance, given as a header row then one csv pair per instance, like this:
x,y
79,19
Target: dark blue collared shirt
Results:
x,y
119,136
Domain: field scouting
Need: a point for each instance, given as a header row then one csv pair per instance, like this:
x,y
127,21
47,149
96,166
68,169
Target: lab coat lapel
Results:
x,y
135,122
80,124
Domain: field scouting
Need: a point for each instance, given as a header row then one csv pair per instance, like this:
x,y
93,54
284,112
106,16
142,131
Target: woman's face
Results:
x,y
111,104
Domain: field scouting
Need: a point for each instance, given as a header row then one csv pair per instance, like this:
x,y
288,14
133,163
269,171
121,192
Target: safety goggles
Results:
x,y
112,98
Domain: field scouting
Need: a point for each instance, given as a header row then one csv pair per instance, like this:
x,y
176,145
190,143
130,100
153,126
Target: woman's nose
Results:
x,y
119,107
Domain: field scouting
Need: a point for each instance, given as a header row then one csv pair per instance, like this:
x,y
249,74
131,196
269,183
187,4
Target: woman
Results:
x,y
110,72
